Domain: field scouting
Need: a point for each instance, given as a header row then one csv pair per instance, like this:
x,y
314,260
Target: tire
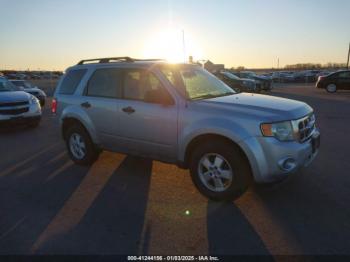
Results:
x,y
34,124
233,160
331,88
86,156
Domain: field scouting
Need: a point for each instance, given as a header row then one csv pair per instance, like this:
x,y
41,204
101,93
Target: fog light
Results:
x,y
287,164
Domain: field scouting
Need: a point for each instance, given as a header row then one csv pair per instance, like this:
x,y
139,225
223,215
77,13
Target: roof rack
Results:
x,y
115,59
107,60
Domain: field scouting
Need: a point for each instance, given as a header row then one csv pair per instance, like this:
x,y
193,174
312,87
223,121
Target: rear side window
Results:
x,y
344,74
71,81
104,83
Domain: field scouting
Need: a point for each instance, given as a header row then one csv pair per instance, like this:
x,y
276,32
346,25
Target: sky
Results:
x,y
55,34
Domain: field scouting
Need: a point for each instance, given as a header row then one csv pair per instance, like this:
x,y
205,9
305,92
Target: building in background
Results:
x,y
211,67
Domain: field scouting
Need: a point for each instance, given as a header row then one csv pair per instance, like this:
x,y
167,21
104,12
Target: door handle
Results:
x,y
86,105
128,110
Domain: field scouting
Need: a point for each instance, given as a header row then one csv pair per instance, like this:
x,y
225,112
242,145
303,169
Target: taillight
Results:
x,y
54,106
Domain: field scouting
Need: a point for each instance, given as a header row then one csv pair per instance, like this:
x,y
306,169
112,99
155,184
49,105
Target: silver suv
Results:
x,y
180,113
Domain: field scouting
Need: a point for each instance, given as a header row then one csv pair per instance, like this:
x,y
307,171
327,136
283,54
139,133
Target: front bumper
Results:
x,y
33,114
272,160
19,121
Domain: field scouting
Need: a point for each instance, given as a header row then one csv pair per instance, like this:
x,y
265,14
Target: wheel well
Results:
x,y
210,137
68,122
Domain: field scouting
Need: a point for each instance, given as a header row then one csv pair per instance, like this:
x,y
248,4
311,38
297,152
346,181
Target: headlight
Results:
x,y
33,100
283,131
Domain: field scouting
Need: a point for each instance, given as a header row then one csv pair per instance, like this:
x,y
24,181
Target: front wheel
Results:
x,y
220,171
331,88
80,147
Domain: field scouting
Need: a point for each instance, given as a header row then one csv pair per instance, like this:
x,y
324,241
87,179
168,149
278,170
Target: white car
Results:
x,y
29,88
18,106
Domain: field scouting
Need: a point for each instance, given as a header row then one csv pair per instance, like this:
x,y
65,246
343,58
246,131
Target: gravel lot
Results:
x,y
127,205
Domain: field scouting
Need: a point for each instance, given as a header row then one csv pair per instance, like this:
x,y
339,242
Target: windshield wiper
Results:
x,y
213,96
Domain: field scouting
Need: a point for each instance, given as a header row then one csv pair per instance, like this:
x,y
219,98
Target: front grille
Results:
x,y
9,104
306,126
14,111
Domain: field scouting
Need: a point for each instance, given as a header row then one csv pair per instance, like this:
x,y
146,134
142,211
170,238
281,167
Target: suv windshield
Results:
x,y
6,85
196,83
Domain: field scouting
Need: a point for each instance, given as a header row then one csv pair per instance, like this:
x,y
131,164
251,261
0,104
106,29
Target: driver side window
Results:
x,y
144,86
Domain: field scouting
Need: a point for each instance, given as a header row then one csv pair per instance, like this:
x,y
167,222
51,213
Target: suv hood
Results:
x,y
266,108
14,96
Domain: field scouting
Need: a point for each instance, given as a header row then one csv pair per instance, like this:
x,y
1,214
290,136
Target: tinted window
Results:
x,y
104,83
71,81
141,85
344,74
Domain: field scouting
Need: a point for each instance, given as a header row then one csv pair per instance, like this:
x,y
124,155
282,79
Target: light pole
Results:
x,y
183,45
347,64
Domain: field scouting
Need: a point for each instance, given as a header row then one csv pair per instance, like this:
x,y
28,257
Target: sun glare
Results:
x,y
171,45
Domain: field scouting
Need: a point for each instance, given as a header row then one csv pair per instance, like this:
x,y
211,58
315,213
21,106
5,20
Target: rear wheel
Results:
x,y
220,171
331,88
80,146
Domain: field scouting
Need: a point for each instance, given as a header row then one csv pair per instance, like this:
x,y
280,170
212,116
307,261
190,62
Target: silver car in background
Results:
x,y
17,107
184,115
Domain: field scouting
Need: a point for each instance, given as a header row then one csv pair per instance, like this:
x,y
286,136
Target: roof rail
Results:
x,y
149,60
107,60
116,59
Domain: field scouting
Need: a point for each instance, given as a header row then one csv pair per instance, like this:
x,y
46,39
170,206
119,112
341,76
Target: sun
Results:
x,y
172,44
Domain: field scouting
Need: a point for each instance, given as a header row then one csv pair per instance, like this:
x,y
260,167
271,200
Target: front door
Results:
x,y
148,116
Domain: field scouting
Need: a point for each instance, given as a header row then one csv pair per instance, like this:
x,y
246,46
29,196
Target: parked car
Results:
x,y
236,83
29,88
34,76
283,77
262,82
306,76
18,106
183,114
323,73
334,81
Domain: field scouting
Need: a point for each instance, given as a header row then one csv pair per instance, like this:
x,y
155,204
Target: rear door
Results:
x,y
101,104
148,116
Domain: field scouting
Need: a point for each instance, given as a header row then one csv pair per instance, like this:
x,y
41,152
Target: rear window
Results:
x,y
71,81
